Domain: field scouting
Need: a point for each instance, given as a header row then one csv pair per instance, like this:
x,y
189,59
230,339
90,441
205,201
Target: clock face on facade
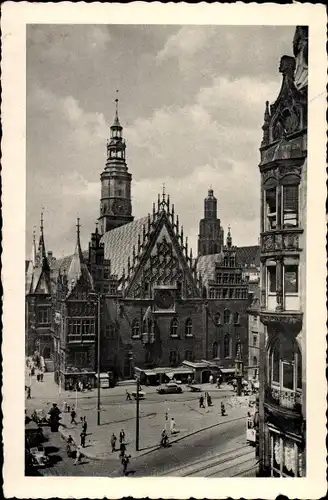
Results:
x,y
163,299
121,207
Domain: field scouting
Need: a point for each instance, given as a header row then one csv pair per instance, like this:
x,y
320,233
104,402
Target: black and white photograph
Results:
x,y
167,243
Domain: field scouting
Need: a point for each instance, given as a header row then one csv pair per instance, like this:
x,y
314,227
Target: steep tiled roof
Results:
x,y
119,243
245,256
206,266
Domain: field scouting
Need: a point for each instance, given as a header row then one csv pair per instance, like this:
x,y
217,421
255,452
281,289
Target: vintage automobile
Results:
x,y
170,388
40,417
39,457
142,395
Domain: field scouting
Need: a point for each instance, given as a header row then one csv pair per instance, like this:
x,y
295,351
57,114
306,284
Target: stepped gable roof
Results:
x,y
119,244
206,266
245,256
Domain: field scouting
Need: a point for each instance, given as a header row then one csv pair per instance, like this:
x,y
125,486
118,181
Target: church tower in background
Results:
x,y
210,238
115,201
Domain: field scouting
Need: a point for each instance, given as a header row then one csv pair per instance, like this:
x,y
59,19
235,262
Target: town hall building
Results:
x,y
138,289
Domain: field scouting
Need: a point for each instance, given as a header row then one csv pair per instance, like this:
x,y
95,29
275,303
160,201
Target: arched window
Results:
x,y
215,350
226,346
188,328
236,318
226,316
174,328
217,319
135,328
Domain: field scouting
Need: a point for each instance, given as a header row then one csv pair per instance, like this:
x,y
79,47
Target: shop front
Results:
x,y
164,375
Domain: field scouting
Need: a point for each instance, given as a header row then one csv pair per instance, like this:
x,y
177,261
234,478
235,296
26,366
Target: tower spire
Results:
x,y
116,119
229,238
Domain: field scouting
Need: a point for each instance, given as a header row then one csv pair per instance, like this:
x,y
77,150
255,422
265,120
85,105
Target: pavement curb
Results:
x,y
65,431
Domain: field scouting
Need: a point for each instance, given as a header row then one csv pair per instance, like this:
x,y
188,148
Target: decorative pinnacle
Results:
x,y
41,220
163,192
34,233
97,226
78,225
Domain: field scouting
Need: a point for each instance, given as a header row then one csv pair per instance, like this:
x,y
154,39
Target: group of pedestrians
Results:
x,y
206,398
123,456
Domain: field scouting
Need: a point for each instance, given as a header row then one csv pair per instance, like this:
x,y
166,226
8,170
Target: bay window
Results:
x,y
287,457
290,279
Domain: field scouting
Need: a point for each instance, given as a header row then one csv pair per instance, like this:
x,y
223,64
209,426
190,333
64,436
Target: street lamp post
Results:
x,y
238,367
98,359
137,415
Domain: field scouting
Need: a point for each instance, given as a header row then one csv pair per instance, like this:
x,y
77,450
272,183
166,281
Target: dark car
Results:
x,y
170,388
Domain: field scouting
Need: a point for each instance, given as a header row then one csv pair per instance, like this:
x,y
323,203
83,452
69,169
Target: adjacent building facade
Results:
x,y
283,168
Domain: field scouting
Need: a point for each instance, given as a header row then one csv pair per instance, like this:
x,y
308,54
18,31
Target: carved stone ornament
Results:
x,y
269,173
281,318
268,244
291,242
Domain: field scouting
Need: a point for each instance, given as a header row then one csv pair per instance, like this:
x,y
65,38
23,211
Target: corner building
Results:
x,y
283,170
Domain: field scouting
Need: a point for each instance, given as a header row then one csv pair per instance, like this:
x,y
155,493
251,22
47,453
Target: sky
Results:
x,y
191,103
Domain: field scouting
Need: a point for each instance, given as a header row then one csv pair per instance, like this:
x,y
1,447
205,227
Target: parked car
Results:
x,y
39,457
142,394
170,388
40,417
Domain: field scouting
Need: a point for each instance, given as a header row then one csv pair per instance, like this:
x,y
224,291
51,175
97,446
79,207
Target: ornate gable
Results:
x,y
163,261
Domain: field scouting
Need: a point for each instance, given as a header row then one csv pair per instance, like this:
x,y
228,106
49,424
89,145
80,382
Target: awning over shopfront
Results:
x,y
227,370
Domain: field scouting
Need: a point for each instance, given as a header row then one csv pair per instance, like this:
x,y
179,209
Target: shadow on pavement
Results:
x,y
55,459
51,449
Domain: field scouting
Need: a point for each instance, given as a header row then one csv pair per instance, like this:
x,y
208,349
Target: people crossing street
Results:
x,y
125,462
78,455
84,425
73,415
201,402
113,440
127,396
122,436
82,436
172,426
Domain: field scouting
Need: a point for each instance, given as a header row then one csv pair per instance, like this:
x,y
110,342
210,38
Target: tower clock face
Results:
x,y
121,207
164,299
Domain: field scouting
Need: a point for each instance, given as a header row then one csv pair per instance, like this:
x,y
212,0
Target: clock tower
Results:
x,y
115,201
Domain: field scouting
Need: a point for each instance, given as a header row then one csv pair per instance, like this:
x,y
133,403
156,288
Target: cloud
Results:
x,y
188,41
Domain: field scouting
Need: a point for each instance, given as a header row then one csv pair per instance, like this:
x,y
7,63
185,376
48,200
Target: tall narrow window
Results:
x,y
290,205
271,208
135,328
272,279
236,318
291,279
226,346
174,328
217,319
215,350
188,328
226,316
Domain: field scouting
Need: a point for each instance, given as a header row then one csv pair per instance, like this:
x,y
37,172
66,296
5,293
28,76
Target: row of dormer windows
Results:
x,y
228,293
226,278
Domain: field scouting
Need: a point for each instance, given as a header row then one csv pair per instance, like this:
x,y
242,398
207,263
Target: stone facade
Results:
x,y
283,226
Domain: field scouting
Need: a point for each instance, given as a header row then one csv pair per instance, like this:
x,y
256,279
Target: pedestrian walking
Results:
x,y
128,396
73,415
223,410
201,402
41,377
122,449
84,424
122,436
29,393
38,377
189,379
82,437
172,426
78,455
211,379
125,463
209,400
113,440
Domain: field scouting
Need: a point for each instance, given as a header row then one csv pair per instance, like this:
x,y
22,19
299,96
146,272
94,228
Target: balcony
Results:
x,y
283,240
283,402
288,319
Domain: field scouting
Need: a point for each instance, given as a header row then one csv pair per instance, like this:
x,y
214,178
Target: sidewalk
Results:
x,y
151,423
